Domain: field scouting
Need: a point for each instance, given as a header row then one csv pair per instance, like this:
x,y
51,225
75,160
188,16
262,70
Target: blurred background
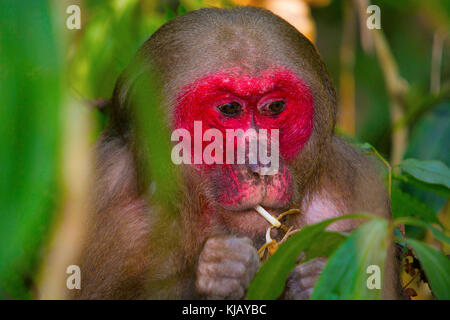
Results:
x,y
393,85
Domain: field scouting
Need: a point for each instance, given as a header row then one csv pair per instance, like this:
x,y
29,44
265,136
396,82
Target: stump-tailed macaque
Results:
x,y
238,68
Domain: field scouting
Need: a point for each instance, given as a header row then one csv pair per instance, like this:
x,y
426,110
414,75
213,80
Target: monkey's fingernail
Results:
x,y
272,220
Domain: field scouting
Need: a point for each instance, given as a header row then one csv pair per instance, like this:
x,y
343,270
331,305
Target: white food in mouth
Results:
x,y
266,215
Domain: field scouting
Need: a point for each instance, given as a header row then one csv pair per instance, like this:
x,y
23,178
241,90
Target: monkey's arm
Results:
x,y
124,255
114,261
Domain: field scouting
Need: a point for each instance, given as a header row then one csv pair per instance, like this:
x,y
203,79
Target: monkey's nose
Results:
x,y
258,169
255,168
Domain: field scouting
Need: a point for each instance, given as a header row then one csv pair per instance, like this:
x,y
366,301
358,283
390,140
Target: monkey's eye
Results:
x,y
274,107
230,109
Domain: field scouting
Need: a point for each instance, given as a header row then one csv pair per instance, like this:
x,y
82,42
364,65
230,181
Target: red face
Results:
x,y
275,99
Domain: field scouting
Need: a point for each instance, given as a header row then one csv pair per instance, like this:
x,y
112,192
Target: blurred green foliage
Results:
x,y
30,108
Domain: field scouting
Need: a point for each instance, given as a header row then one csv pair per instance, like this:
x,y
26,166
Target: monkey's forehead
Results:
x,y
214,40
245,83
200,48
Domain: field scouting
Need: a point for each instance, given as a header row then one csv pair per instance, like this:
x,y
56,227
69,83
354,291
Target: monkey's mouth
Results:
x,y
236,190
247,221
250,207
247,209
267,196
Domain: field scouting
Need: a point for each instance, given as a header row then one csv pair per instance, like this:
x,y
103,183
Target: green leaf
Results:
x,y
364,147
430,171
30,109
435,188
436,267
404,205
271,277
419,223
181,10
429,141
329,242
154,138
170,14
345,274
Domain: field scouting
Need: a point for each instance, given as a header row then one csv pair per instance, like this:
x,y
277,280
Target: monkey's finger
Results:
x,y
220,288
298,294
309,281
242,252
248,257
308,268
229,242
227,268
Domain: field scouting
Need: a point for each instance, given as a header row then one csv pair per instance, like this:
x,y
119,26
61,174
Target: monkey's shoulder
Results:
x,y
350,182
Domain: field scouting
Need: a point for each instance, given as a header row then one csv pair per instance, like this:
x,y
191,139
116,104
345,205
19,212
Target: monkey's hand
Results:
x,y
302,279
225,267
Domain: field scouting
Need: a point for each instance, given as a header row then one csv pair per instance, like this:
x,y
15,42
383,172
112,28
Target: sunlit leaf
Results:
x,y
436,267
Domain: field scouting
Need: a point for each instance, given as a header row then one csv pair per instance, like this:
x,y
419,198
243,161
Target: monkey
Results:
x,y
238,68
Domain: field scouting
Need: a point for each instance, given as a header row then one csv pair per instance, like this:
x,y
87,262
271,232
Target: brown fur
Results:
x,y
135,249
